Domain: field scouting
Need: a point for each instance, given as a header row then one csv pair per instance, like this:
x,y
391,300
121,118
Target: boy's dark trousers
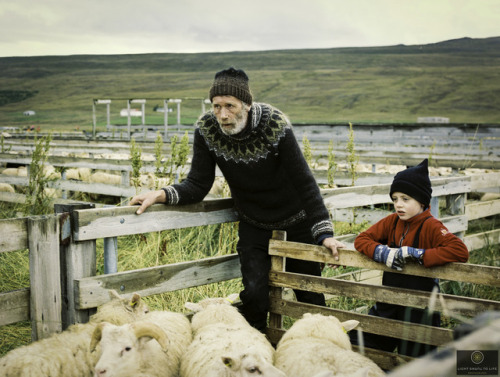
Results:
x,y
401,313
253,245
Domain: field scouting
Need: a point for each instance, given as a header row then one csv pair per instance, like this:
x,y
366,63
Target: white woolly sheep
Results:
x,y
225,345
12,172
5,187
129,350
101,177
317,344
67,353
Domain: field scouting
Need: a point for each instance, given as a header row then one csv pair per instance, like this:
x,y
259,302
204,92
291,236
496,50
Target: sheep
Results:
x,y
101,177
129,350
5,187
317,344
67,353
225,345
12,172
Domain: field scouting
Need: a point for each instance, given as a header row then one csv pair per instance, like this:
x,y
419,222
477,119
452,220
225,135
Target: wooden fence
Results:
x,y
64,288
279,249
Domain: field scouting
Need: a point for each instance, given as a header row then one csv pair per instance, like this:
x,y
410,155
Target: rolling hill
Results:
x,y
458,79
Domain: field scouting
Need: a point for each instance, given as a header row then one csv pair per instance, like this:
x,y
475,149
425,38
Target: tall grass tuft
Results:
x,y
37,201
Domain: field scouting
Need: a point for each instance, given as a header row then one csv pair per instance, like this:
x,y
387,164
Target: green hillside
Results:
x,y
459,79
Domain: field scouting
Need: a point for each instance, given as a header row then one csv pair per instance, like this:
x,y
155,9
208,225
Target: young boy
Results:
x,y
411,233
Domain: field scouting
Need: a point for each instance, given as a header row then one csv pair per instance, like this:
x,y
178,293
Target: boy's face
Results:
x,y
405,206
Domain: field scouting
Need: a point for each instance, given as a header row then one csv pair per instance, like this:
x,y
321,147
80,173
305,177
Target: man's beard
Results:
x,y
240,123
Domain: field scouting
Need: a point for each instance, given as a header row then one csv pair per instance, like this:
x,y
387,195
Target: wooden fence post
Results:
x,y
45,282
77,260
276,293
456,206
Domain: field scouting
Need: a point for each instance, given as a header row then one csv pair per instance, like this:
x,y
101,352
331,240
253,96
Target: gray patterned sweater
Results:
x,y
270,181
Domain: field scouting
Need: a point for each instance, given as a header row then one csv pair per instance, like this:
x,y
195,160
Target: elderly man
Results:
x,y
271,184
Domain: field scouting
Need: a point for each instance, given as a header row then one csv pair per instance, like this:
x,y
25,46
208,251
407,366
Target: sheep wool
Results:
x,y
317,344
152,346
225,345
67,354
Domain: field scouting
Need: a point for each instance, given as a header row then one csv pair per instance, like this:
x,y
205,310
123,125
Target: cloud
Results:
x,y
64,27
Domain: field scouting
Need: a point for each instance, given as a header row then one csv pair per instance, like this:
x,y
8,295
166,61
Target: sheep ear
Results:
x,y
113,294
232,297
193,306
96,336
136,298
230,362
349,325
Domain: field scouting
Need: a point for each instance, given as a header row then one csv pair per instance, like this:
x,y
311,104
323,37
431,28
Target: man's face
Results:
x,y
231,113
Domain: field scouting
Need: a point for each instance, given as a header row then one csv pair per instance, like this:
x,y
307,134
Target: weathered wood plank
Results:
x,y
390,295
15,306
480,182
382,326
14,234
346,197
277,264
78,260
480,240
119,221
480,210
93,291
467,272
45,279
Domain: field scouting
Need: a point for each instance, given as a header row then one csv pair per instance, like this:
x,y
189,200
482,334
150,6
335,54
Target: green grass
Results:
x,y
457,79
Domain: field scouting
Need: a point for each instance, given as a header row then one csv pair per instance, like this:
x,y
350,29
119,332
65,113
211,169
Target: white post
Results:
x,y
108,115
165,117
129,121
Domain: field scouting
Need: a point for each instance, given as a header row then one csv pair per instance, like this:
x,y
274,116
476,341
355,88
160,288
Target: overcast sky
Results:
x,y
68,27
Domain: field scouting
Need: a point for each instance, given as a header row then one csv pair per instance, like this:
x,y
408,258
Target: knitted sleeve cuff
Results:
x,y
323,237
171,194
323,229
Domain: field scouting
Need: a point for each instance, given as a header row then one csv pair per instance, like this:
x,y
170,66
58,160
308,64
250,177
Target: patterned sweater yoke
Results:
x,y
270,181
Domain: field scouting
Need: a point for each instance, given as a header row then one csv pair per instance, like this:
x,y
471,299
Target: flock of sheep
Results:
x,y
125,339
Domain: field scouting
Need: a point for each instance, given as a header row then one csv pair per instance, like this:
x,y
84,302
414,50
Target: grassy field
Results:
x,y
457,79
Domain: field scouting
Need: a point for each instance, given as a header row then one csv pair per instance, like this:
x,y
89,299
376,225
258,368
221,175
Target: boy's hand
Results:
x,y
412,253
391,257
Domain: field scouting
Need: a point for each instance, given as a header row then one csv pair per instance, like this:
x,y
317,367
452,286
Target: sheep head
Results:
x,y
250,364
122,346
120,309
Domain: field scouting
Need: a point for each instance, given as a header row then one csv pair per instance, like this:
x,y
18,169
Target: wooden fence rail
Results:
x,y
279,249
64,288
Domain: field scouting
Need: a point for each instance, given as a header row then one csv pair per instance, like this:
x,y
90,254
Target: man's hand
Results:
x,y
390,257
148,199
333,245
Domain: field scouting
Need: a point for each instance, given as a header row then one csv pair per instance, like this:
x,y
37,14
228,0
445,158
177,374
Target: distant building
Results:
x,y
433,120
133,112
29,113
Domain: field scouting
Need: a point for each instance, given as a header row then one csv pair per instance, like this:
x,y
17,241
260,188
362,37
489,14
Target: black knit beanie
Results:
x,y
231,82
414,182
